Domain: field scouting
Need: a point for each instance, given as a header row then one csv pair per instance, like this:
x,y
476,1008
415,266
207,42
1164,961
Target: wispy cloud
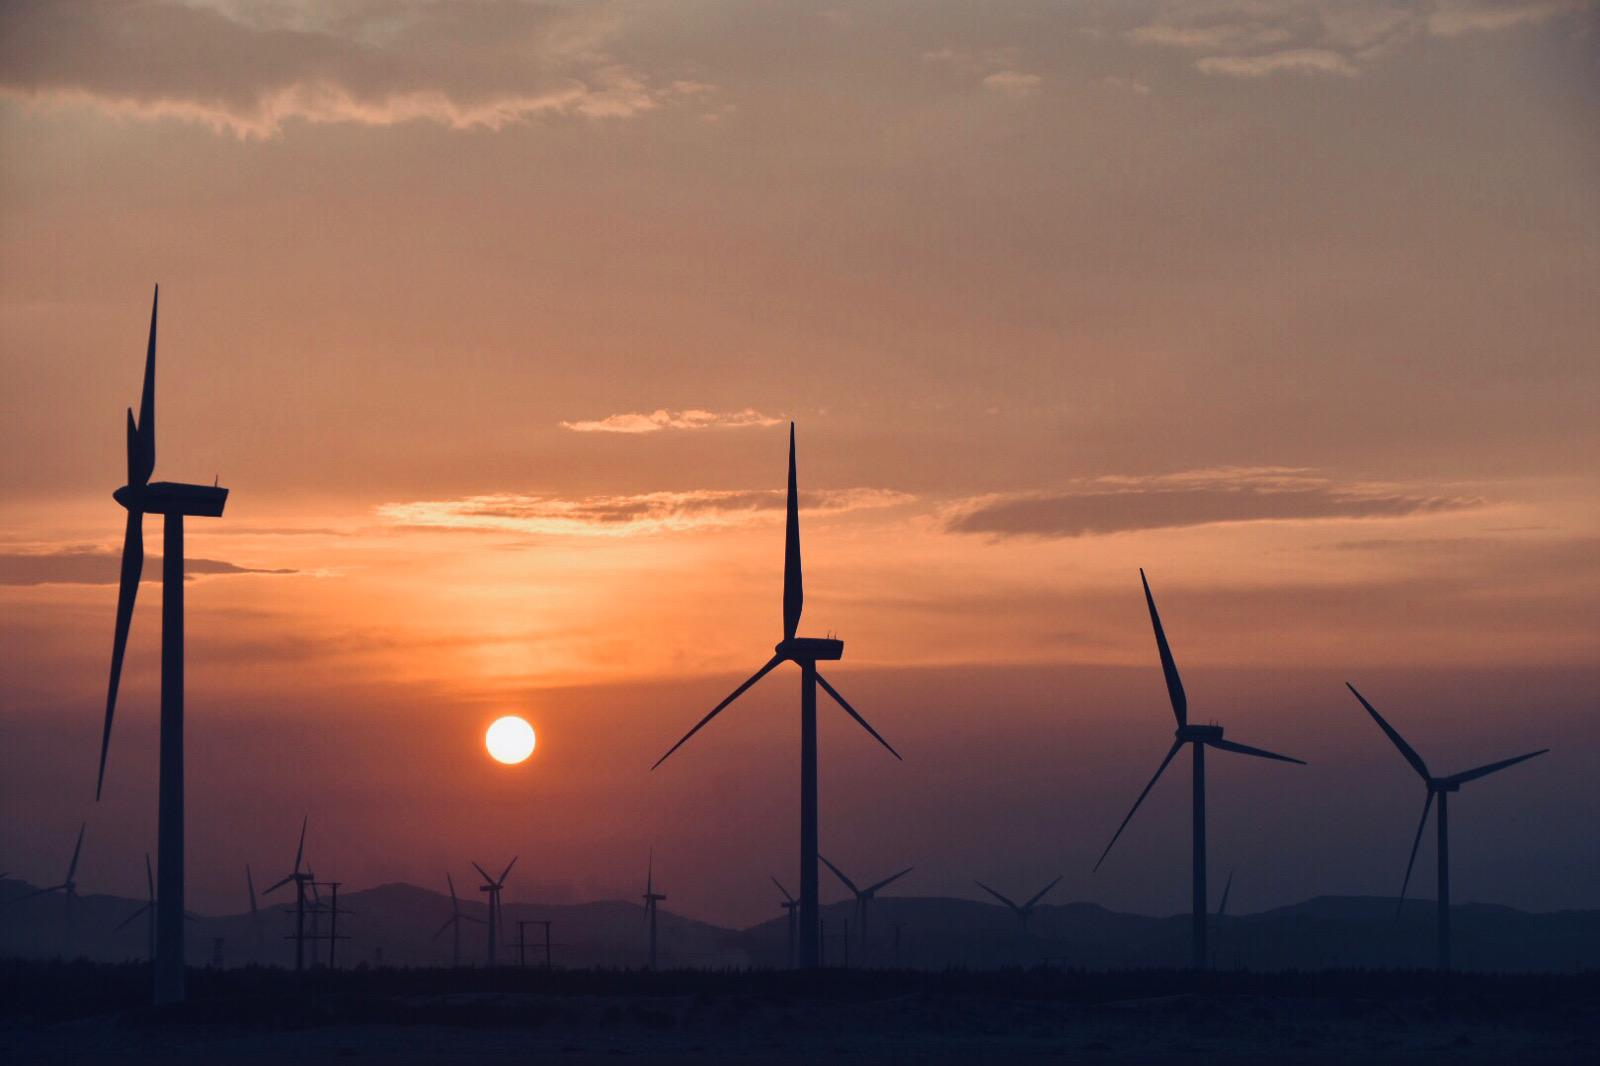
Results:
x,y
1193,498
634,422
1293,60
250,68
997,69
626,516
102,566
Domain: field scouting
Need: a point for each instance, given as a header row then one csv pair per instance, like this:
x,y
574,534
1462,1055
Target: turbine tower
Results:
x,y
651,898
493,887
1025,911
1202,737
69,888
1441,787
454,923
789,904
804,652
173,500
301,878
863,896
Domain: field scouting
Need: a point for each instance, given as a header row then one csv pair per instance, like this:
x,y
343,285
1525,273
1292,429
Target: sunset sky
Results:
x,y
493,316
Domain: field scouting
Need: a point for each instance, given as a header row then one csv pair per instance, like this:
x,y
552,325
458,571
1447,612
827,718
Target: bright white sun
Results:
x,y
509,739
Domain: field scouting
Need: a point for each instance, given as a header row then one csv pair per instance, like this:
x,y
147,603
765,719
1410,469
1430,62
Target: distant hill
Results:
x,y
400,924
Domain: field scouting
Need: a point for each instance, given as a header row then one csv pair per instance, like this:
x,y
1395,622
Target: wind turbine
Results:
x,y
804,652
454,923
863,896
1201,736
258,920
1026,910
1441,787
148,908
789,905
300,879
1222,911
141,496
493,887
69,888
651,898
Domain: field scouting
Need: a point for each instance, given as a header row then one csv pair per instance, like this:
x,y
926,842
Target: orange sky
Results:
x,y
492,316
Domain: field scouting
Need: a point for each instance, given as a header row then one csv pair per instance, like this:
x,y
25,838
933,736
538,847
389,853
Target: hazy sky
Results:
x,y
492,316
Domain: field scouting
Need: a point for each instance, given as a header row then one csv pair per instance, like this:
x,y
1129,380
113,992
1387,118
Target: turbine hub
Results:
x,y
128,496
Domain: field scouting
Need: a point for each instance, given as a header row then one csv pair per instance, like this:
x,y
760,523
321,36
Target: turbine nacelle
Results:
x,y
172,497
809,649
1198,734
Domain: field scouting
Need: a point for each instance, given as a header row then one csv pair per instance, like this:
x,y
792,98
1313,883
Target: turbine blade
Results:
x,y
507,870
1180,702
250,882
851,885
118,927
132,567
447,923
1245,749
1159,770
1415,844
150,878
30,895
454,906
886,880
1400,742
759,674
73,869
1494,767
280,884
484,872
851,711
996,895
1223,906
785,891
1028,906
301,850
147,398
794,594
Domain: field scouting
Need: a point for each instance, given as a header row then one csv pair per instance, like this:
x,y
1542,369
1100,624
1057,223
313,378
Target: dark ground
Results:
x,y
84,1012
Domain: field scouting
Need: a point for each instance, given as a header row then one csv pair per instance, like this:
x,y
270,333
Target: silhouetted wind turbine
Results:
x,y
651,898
148,909
1222,911
1201,736
69,888
258,920
789,904
804,652
1441,787
493,887
300,879
454,923
863,896
141,496
1026,910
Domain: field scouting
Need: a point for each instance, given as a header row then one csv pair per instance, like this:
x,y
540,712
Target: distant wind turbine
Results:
x,y
141,496
453,923
804,652
790,905
301,879
258,921
651,898
1222,911
1441,787
69,889
863,896
1202,737
493,887
1025,911
148,909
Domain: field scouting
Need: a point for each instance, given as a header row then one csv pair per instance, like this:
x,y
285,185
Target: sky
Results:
x,y
492,316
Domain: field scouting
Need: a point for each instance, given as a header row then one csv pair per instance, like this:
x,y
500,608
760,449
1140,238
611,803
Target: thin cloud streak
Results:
x,y
626,516
656,421
1193,498
101,566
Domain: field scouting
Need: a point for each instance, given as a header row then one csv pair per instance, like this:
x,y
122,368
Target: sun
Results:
x,y
509,739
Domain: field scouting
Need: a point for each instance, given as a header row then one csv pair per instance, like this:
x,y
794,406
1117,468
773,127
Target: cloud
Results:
x,y
101,566
1013,83
1194,498
250,68
1449,18
663,419
623,516
1295,60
